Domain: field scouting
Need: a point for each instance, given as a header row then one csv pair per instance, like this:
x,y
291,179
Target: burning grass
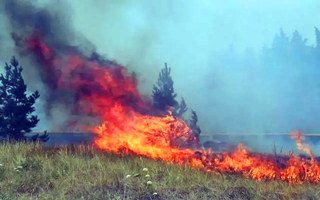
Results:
x,y
127,123
82,172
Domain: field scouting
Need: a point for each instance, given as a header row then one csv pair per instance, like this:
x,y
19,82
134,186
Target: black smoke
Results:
x,y
32,26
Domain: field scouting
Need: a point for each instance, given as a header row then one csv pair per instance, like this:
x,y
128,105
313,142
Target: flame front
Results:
x,y
105,90
145,135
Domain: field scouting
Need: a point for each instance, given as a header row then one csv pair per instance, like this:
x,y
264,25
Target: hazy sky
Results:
x,y
189,35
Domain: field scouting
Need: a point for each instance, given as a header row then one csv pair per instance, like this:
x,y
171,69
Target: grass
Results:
x,y
31,171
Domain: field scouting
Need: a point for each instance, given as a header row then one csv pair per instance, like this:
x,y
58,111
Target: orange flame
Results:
x,y
159,138
155,137
300,141
105,90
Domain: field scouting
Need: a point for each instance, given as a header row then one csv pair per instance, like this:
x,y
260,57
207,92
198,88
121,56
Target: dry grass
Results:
x,y
31,171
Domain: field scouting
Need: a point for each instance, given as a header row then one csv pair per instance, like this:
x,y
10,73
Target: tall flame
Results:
x,y
105,89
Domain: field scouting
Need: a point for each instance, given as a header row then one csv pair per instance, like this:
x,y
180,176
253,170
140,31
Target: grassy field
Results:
x,y
31,171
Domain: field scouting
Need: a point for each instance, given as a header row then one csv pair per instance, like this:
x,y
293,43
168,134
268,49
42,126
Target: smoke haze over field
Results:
x,y
215,49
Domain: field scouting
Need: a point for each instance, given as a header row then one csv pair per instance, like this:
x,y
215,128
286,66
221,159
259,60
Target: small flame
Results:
x,y
300,141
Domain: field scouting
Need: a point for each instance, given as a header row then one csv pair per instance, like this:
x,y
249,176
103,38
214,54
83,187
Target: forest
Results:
x,y
271,90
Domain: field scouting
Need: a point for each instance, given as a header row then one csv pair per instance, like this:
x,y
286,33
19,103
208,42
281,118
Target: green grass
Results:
x,y
31,171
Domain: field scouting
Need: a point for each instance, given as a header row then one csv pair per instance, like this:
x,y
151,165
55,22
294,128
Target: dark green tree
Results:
x,y
163,94
164,98
16,106
180,108
193,123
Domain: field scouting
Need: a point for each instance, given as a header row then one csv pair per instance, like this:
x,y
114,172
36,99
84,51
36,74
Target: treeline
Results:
x,y
272,89
285,49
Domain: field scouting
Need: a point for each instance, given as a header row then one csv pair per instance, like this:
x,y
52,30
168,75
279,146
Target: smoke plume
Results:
x,y
215,50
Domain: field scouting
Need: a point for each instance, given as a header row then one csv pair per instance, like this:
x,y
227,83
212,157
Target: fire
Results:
x,y
264,167
155,137
299,138
127,125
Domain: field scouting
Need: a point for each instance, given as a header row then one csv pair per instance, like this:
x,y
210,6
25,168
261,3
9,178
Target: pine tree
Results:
x,y
277,55
163,92
16,107
180,108
297,42
298,48
196,131
164,97
281,41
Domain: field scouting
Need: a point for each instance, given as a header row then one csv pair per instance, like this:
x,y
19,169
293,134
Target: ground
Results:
x,y
31,171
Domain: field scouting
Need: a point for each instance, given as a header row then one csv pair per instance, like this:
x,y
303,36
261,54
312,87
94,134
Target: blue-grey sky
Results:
x,y
191,36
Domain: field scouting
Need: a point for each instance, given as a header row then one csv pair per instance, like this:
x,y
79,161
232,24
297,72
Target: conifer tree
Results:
x,y
193,123
16,106
163,92
180,108
164,98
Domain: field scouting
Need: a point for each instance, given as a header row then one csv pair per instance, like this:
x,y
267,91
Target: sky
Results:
x,y
190,36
